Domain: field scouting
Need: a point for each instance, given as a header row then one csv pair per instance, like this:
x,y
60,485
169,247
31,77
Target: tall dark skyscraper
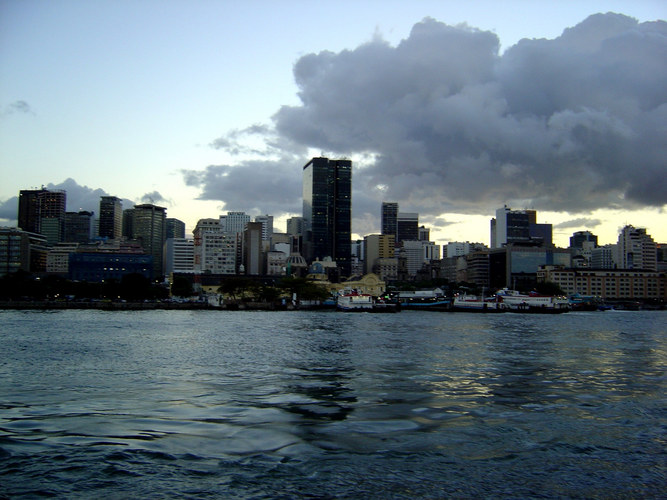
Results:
x,y
150,229
390,218
407,227
327,211
43,211
111,217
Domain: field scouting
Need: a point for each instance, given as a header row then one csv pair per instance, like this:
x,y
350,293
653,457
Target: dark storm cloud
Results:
x,y
570,124
270,186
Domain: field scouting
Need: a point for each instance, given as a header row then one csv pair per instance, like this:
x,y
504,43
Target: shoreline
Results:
x,y
45,305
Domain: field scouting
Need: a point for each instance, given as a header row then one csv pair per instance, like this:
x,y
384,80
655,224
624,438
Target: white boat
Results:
x,y
531,302
473,303
354,302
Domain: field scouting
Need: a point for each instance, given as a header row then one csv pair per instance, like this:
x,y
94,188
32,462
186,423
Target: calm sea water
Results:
x,y
203,404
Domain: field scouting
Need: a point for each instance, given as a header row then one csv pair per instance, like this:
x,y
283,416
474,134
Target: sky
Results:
x,y
452,109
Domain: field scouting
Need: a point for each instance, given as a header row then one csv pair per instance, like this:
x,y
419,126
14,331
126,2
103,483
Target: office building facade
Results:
x,y
389,218
327,211
636,249
111,217
149,229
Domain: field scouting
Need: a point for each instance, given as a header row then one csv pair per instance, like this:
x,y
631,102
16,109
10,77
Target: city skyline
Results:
x,y
169,113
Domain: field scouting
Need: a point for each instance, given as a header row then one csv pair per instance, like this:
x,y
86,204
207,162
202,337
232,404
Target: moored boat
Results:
x,y
354,302
531,302
473,303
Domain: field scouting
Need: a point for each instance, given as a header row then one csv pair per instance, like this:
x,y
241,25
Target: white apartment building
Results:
x,y
179,255
636,250
214,249
606,283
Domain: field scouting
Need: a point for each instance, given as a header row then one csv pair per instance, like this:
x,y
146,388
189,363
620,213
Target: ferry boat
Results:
x,y
473,303
354,301
433,300
531,302
362,302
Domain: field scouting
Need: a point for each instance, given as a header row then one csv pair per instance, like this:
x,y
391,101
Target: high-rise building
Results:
x,y
78,226
174,228
519,227
178,256
128,223
578,238
377,246
111,217
603,257
295,226
327,211
29,209
252,249
234,222
42,211
267,226
389,218
214,249
149,230
636,249
407,227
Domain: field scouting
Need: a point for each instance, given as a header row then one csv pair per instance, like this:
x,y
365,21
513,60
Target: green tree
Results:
x,y
236,286
135,286
181,287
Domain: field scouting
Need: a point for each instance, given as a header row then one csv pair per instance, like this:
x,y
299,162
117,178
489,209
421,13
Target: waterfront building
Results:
x,y
57,258
174,228
78,226
111,217
103,266
515,266
15,246
661,250
179,254
389,219
149,229
607,283
327,211
636,250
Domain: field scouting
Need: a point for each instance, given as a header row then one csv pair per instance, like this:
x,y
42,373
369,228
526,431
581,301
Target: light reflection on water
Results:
x,y
254,404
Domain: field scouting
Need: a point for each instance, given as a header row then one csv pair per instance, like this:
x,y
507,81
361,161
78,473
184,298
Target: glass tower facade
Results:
x,y
327,211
